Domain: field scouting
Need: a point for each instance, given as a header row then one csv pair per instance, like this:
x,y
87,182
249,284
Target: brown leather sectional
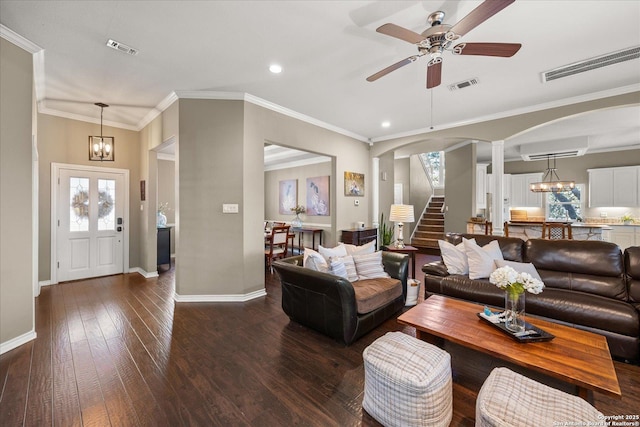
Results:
x,y
590,285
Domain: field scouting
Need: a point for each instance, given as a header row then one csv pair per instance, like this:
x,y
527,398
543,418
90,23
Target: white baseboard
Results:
x,y
17,341
143,273
45,283
220,298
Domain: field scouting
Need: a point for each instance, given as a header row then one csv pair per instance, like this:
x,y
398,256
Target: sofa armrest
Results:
x,y
397,266
436,268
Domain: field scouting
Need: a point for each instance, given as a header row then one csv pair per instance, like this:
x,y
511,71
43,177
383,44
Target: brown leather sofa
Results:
x,y
327,303
589,285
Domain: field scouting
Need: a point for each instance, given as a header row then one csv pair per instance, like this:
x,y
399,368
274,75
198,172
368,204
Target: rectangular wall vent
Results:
x,y
568,147
592,64
464,84
122,47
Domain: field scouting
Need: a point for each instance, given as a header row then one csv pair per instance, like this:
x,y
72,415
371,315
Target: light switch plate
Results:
x,y
230,208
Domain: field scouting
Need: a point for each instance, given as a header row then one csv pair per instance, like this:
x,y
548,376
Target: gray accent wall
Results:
x,y
460,193
16,186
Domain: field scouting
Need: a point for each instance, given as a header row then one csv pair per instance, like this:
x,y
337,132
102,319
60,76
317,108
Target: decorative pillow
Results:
x,y
520,267
327,253
481,259
367,248
369,266
344,267
454,257
314,261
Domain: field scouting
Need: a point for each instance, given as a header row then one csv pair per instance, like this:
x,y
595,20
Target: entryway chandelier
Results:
x,y
101,148
551,182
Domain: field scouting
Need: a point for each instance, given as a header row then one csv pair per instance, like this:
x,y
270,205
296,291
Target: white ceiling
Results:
x,y
327,49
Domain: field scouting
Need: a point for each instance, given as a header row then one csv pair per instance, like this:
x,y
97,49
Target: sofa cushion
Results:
x,y
375,293
481,259
632,268
589,266
370,266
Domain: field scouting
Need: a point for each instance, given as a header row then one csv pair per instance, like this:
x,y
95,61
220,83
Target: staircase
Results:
x,y
430,229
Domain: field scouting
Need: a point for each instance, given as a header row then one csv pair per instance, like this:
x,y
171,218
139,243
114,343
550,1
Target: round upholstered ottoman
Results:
x,y
510,399
407,382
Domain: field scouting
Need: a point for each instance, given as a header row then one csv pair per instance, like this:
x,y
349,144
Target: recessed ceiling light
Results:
x,y
386,124
275,68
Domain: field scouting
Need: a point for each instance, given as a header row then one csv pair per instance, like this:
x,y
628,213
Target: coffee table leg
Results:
x,y
586,394
431,339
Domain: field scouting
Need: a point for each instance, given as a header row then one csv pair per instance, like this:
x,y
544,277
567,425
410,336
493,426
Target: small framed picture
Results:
x,y
354,184
143,190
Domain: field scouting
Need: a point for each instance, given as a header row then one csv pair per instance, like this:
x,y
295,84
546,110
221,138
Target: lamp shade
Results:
x,y
401,213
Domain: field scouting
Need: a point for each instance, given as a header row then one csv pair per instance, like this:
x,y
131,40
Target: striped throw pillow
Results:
x,y
369,266
344,266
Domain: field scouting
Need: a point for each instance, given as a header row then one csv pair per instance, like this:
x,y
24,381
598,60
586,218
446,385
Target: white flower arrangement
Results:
x,y
513,282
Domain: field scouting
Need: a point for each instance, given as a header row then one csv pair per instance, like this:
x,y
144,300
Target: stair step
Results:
x,y
433,210
428,235
431,228
424,243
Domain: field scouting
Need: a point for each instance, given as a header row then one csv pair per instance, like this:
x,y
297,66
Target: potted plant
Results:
x,y
386,232
627,218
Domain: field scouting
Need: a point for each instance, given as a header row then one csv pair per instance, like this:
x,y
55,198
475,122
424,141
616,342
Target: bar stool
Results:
x,y
506,229
556,231
488,228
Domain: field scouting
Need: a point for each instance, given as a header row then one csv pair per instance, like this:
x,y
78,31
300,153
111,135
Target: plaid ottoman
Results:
x,y
407,382
510,399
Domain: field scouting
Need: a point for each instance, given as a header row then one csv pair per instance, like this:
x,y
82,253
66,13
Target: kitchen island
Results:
x,y
533,230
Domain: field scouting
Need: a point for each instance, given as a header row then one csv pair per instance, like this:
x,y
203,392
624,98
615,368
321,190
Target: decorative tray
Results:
x,y
531,333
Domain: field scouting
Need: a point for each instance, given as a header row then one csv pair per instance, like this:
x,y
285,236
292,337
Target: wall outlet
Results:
x,y
356,202
230,208
603,215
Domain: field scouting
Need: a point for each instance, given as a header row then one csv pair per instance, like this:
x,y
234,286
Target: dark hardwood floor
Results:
x,y
118,351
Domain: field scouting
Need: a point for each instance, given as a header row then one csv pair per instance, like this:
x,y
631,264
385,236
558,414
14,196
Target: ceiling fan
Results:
x,y
440,37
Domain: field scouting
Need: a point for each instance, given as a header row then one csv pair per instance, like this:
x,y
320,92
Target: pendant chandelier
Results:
x,y
551,182
101,148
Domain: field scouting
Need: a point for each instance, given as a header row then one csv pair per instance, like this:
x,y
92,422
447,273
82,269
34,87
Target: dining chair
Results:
x,y
277,245
506,229
556,231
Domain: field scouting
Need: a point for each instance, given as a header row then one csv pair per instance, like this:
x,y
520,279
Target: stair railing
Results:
x,y
424,210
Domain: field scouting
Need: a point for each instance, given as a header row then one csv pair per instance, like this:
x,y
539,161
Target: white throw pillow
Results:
x,y
313,260
327,253
367,248
344,267
481,259
369,266
520,267
454,257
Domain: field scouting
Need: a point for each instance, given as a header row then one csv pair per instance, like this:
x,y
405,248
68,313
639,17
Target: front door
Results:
x,y
90,223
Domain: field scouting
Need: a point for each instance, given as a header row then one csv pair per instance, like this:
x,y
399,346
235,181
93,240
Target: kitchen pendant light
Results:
x,y
101,148
551,182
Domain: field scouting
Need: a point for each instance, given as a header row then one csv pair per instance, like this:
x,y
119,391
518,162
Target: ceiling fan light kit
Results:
x,y
440,37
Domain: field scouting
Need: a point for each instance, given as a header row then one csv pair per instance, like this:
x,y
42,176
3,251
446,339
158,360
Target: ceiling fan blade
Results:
x,y
478,15
391,68
398,32
504,50
434,74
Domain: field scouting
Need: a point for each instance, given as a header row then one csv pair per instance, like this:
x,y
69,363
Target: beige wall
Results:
x,y
167,193
16,185
459,187
421,189
62,140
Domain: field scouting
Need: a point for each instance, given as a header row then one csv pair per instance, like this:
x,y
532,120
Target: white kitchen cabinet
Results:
x,y
614,187
624,235
521,194
506,187
481,185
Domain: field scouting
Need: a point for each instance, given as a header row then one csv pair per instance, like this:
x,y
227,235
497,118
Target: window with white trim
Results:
x,y
566,205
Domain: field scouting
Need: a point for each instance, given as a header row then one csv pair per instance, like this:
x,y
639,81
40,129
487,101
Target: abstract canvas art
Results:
x,y
287,196
318,196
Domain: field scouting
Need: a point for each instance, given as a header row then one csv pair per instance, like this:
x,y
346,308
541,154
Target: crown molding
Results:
x,y
155,112
20,41
518,111
52,112
240,96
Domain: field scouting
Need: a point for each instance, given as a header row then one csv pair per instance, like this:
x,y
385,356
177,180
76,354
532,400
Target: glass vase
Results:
x,y
296,222
514,303
161,220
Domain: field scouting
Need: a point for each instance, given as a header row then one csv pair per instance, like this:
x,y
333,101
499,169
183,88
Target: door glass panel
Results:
x,y
79,204
106,204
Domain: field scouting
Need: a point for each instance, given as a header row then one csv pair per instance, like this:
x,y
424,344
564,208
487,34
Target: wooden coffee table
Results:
x,y
577,357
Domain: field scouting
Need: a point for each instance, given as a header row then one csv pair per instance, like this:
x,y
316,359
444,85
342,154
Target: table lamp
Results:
x,y
401,214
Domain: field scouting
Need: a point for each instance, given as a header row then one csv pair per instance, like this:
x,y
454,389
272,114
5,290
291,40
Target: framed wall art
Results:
x,y
287,196
318,196
353,184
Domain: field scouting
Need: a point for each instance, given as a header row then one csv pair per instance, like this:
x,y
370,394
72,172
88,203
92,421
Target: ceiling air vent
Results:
x,y
122,47
464,84
592,64
569,147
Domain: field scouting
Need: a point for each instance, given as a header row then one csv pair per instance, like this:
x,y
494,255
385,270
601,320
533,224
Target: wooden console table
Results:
x,y
360,236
